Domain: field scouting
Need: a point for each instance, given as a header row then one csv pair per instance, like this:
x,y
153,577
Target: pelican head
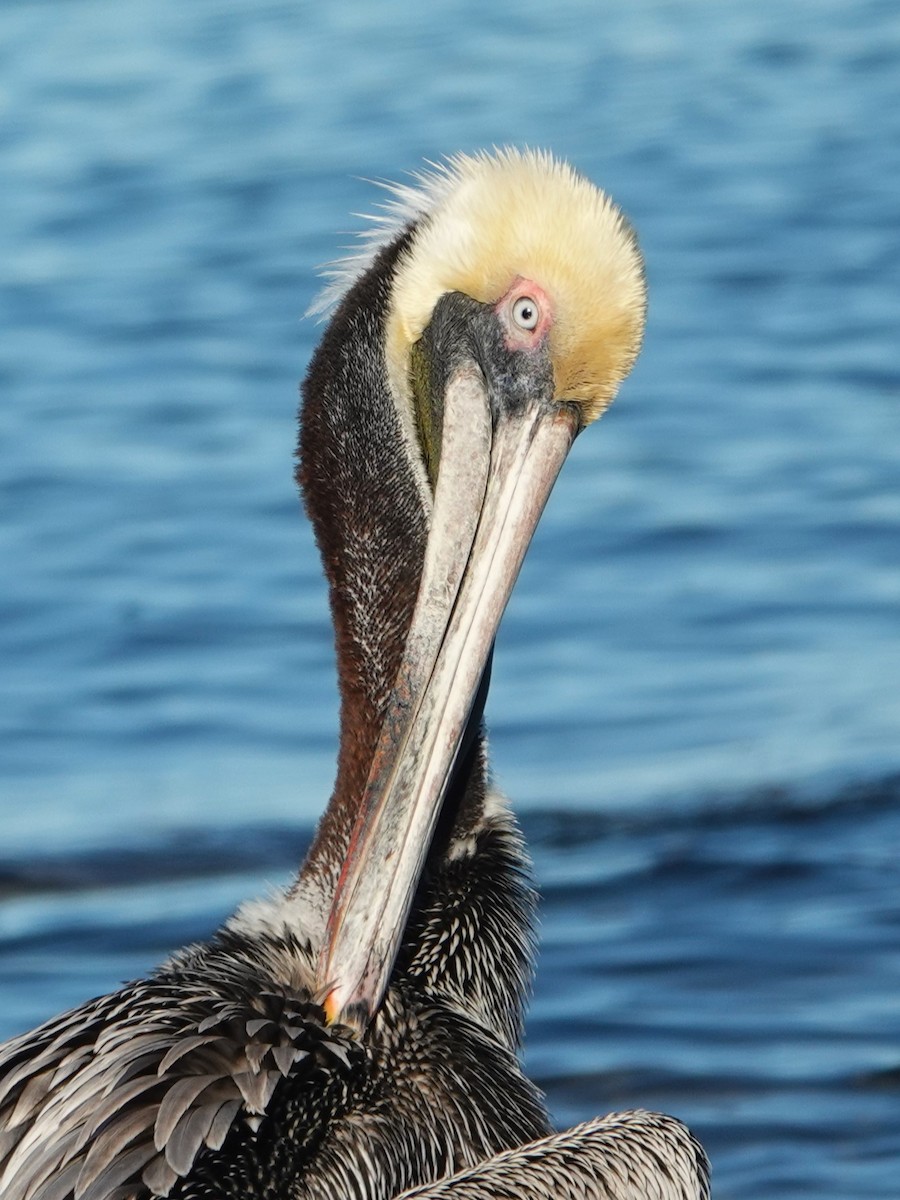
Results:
x,y
515,307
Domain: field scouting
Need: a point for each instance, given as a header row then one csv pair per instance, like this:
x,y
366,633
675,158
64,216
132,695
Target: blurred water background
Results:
x,y
695,702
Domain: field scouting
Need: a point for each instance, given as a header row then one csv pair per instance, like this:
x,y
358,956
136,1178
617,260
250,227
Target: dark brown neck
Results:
x,y
370,525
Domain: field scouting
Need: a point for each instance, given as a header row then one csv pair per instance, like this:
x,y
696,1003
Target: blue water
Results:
x,y
695,702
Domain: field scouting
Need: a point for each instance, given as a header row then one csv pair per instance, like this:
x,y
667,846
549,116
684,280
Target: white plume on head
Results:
x,y
408,202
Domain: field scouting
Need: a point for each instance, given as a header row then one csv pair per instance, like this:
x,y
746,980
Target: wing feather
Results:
x,y
185,1045
59,1186
117,1099
221,1122
187,1138
623,1156
108,1144
122,1169
177,1101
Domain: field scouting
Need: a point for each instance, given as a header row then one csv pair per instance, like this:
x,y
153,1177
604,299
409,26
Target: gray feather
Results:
x,y
9,1139
177,1100
39,1161
111,1141
256,1088
221,1123
286,1056
69,1065
624,1156
143,1073
255,1027
187,1138
180,1048
255,1053
59,1186
117,1100
123,1169
159,1176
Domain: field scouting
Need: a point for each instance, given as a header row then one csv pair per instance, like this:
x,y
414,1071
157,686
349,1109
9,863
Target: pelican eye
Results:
x,y
526,313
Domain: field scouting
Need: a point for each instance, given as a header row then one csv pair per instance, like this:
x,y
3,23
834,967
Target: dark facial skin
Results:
x,y
463,331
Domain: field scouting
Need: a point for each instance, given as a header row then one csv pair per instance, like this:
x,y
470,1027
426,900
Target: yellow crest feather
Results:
x,y
491,218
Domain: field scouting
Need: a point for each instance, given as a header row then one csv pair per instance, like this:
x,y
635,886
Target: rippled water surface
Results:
x,y
695,703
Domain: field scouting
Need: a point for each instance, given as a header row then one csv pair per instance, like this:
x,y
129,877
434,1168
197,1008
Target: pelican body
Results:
x,y
357,1035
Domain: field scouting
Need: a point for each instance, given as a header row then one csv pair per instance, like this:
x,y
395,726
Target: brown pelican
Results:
x,y
357,1035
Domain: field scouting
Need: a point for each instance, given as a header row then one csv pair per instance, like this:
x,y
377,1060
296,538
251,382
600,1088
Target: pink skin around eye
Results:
x,y
518,338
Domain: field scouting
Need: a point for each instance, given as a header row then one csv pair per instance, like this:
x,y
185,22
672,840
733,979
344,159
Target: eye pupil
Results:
x,y
526,313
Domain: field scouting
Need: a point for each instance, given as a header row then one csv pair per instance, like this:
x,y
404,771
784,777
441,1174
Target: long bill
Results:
x,y
494,479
